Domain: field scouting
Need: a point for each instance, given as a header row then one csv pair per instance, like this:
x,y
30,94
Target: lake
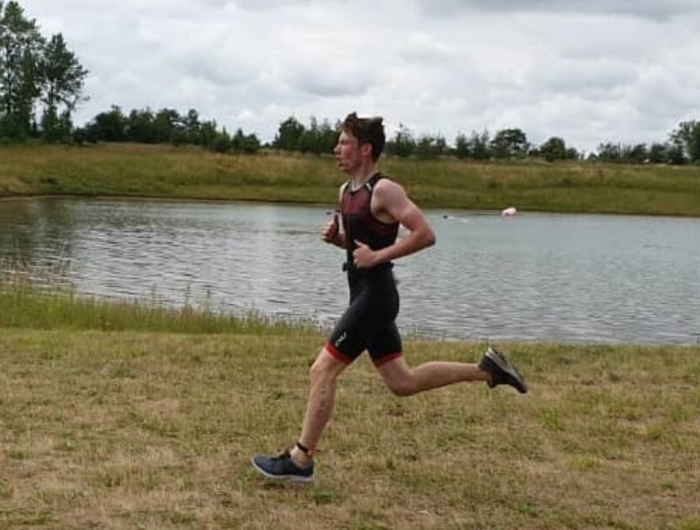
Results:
x,y
532,277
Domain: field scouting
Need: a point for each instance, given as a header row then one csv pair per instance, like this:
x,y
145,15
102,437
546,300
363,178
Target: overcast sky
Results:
x,y
589,71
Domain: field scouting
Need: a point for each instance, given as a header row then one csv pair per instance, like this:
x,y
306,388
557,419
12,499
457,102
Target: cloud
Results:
x,y
330,84
651,9
270,5
427,49
588,71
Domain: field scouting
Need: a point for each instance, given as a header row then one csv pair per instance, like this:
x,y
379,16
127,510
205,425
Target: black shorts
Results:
x,y
369,322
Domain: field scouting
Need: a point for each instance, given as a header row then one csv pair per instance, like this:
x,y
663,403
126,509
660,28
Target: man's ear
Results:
x,y
366,149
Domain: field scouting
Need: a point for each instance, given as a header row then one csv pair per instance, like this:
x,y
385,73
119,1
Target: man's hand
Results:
x,y
330,231
363,256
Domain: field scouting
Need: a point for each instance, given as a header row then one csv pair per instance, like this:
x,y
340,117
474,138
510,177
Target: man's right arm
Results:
x,y
332,232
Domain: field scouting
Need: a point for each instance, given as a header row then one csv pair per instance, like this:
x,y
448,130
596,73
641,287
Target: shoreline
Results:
x,y
162,173
490,211
24,306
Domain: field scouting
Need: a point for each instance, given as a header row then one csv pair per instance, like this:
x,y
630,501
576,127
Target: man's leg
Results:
x,y
404,381
493,368
324,374
297,464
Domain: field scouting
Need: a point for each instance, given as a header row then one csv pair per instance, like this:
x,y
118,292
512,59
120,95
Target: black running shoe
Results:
x,y
502,372
282,468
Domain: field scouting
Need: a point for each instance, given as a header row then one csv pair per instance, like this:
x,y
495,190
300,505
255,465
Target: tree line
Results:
x,y
682,146
41,83
165,126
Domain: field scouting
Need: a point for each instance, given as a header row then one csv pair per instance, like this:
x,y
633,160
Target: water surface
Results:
x,y
546,277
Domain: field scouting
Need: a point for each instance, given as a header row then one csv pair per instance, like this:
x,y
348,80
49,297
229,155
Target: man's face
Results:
x,y
348,153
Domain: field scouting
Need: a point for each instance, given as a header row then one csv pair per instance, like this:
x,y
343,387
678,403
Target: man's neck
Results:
x,y
362,175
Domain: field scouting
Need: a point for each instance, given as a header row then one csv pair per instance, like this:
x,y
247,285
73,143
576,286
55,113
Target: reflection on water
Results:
x,y
532,277
35,236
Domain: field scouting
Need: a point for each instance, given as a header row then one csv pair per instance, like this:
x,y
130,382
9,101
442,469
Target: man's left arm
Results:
x,y
393,205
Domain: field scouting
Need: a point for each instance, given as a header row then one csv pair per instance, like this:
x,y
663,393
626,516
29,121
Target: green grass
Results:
x,y
152,427
190,173
24,305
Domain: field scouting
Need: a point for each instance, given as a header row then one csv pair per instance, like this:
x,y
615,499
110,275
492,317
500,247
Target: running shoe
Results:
x,y
282,468
502,372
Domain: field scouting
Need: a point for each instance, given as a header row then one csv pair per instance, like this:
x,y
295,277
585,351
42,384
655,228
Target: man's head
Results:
x,y
368,131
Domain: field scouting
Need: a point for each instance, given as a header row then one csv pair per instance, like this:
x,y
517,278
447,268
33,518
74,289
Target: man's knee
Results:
x,y
318,371
401,387
325,367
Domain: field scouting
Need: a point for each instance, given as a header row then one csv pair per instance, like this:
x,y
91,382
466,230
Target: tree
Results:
x,y
462,147
191,127
56,127
208,134
140,126
509,143
62,83
658,153
675,155
403,144
246,144
108,126
479,145
84,134
687,136
573,154
289,135
635,154
167,126
430,147
316,138
609,152
329,135
553,149
310,139
441,145
20,79
221,142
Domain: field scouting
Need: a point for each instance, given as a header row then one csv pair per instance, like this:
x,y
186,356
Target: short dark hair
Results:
x,y
367,131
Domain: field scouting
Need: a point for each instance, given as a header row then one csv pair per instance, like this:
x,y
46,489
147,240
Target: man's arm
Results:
x,y
332,232
391,204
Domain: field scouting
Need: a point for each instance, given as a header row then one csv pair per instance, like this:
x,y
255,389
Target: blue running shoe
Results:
x,y
282,468
502,372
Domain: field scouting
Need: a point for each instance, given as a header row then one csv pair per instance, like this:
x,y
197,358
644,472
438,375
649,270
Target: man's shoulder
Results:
x,y
388,184
388,195
380,176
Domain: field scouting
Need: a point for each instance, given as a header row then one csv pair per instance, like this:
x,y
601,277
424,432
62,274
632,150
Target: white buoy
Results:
x,y
509,211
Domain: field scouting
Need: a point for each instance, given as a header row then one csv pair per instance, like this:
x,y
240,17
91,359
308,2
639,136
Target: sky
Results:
x,y
587,71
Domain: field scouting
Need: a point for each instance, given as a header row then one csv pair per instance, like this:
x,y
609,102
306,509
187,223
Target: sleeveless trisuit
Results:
x,y
368,323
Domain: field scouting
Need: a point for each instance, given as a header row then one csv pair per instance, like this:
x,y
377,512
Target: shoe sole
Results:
x,y
281,478
499,360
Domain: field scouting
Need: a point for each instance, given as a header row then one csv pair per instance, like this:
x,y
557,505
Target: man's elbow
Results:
x,y
429,238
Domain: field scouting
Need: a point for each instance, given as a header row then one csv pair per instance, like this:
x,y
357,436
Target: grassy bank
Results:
x,y
24,306
143,428
188,173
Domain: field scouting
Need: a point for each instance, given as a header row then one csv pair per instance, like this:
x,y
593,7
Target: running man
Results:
x,y
372,207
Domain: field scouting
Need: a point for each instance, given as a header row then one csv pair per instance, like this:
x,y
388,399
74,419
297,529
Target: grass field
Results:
x,y
144,428
190,173
134,416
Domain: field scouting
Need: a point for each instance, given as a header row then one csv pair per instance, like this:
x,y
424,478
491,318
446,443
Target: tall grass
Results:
x,y
190,173
40,305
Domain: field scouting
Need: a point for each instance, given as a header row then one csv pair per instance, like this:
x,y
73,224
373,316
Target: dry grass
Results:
x,y
191,173
127,430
